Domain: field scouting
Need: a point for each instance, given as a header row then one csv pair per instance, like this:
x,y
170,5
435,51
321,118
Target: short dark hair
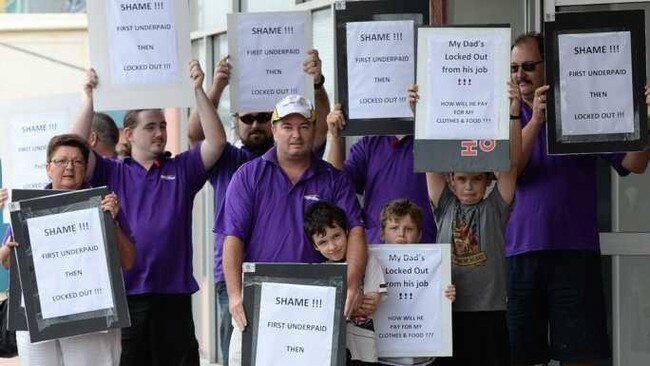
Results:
x,y
321,215
131,117
400,208
70,140
105,129
531,36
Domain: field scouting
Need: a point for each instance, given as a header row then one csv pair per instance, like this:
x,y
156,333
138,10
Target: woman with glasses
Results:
x,y
67,157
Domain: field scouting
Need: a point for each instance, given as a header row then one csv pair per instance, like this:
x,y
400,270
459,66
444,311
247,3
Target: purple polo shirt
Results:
x,y
220,175
556,200
265,210
381,168
157,205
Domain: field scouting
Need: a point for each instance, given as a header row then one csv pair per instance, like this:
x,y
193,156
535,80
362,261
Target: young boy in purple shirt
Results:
x,y
157,193
326,226
475,226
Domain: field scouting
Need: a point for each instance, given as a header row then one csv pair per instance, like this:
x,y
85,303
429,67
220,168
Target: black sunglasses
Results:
x,y
527,66
249,119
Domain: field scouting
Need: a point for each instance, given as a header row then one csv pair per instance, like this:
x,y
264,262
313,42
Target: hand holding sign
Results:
x,y
196,74
413,96
90,83
313,65
236,307
221,75
336,121
514,94
539,104
3,197
111,204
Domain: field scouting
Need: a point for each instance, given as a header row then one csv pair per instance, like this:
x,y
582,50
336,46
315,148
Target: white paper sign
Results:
x,y
26,127
267,51
70,263
141,52
381,65
462,75
143,36
596,83
295,325
415,319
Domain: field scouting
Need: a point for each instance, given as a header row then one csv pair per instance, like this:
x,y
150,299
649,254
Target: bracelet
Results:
x,y
515,117
319,84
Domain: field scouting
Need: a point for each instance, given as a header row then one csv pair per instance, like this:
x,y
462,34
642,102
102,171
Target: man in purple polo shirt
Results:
x,y
157,194
254,131
381,168
262,216
552,237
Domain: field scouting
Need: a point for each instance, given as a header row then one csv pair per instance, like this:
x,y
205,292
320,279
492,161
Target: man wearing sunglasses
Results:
x,y
254,132
552,244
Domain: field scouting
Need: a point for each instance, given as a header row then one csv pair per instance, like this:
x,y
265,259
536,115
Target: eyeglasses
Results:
x,y
62,163
249,119
526,66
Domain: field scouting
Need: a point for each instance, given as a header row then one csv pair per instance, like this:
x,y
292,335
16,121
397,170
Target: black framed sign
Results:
x,y
375,63
595,64
69,265
16,319
462,121
295,314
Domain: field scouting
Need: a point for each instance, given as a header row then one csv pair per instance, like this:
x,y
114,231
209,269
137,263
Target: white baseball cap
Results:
x,y
294,104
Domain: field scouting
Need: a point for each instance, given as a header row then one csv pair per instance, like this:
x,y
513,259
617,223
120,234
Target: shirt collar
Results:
x,y
395,143
317,165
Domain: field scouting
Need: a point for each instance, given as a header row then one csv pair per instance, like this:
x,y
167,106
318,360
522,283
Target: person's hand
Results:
x,y
222,74
111,204
514,94
196,74
450,292
3,197
90,82
413,96
236,306
335,121
368,305
353,301
5,252
539,103
313,65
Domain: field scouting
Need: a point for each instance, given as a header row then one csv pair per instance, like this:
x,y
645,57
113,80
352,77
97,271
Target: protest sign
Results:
x,y
596,66
267,51
27,126
462,116
68,264
16,319
295,314
415,319
141,52
376,63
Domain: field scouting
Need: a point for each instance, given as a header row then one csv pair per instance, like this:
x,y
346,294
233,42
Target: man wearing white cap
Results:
x,y
262,217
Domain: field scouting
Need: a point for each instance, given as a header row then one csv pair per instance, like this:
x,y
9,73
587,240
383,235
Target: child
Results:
x,y
325,225
401,223
475,226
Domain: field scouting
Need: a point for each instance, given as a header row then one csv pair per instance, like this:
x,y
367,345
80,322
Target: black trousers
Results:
x,y
161,332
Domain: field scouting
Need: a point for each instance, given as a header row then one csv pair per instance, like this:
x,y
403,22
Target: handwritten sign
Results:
x,y
596,83
295,325
463,93
381,65
70,263
415,319
267,51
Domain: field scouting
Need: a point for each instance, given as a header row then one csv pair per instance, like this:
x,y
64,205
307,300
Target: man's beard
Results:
x,y
259,142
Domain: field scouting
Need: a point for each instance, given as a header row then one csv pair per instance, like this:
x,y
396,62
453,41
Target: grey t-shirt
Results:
x,y
476,233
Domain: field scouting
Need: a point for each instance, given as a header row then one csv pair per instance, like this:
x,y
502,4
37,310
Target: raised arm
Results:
x,y
215,136
507,180
529,133
82,125
219,82
436,183
335,123
313,66
356,257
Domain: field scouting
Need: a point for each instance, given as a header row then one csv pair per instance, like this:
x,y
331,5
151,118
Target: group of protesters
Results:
x,y
525,256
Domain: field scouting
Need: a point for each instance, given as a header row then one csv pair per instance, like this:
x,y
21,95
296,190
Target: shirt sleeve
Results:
x,y
356,164
498,205
236,217
192,165
374,280
104,170
616,160
347,199
445,200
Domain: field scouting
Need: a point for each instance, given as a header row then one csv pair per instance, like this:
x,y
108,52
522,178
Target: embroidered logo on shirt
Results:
x,y
312,197
167,177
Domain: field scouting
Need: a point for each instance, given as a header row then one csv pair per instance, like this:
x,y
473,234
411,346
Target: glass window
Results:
x,y
43,6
